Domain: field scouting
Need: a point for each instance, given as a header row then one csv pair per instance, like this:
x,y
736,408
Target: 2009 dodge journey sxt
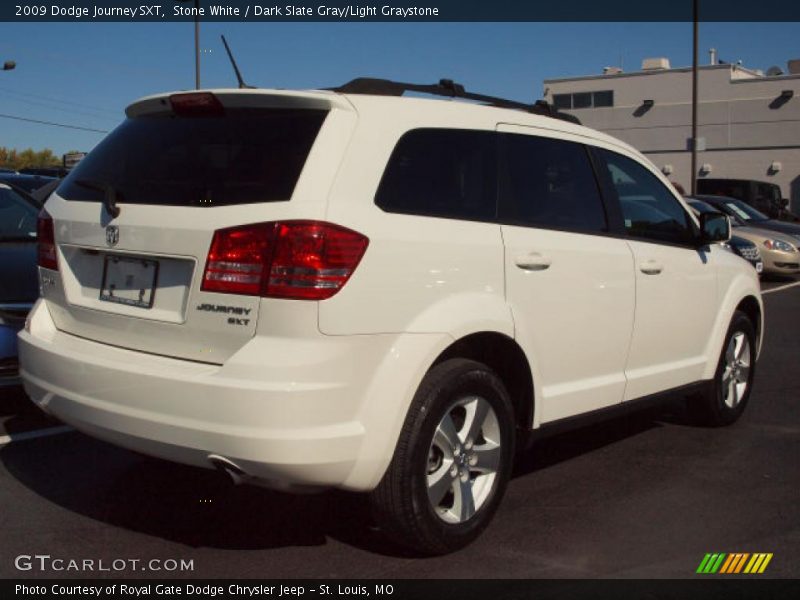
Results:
x,y
362,291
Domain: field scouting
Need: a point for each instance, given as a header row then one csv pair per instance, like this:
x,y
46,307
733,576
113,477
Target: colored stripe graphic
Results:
x,y
734,563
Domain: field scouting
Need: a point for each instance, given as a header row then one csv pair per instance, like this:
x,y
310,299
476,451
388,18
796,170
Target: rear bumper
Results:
x,y
286,412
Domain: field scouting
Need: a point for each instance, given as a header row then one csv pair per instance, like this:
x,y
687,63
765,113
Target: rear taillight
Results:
x,y
196,104
302,260
45,232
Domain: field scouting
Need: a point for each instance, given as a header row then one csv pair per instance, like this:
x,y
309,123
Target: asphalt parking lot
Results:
x,y
644,496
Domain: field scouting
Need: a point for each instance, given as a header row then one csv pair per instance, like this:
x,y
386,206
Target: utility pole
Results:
x,y
197,45
196,41
694,97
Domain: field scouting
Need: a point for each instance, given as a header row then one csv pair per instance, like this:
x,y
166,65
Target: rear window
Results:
x,y
245,156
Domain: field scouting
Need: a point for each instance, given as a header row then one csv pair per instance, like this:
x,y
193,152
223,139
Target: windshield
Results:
x,y
743,211
244,156
701,207
17,217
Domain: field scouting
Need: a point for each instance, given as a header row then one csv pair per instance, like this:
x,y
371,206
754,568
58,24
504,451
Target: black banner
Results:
x,y
716,588
397,10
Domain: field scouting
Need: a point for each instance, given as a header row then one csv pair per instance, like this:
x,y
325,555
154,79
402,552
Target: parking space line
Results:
x,y
780,287
30,435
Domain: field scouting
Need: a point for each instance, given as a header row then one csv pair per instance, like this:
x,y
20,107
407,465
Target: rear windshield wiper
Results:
x,y
110,194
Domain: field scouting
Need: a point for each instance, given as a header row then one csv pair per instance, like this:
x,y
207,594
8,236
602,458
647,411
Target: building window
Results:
x,y
562,101
584,100
600,99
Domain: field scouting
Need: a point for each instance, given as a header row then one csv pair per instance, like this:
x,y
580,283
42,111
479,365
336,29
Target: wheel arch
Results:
x,y
505,357
752,308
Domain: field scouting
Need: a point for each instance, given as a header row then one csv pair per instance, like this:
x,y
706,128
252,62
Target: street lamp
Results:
x,y
196,41
9,65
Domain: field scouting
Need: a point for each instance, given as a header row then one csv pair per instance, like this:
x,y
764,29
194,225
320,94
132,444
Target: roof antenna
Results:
x,y
242,84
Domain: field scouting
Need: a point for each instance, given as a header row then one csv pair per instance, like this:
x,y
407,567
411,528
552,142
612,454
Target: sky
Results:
x,y
84,74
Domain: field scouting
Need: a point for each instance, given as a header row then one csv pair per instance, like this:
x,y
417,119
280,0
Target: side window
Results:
x,y
549,183
442,173
649,209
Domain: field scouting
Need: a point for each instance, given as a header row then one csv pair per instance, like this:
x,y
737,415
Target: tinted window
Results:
x,y
549,183
562,100
242,157
650,210
582,100
17,216
603,98
442,173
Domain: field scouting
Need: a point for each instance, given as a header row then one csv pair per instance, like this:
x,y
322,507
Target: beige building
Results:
x,y
748,122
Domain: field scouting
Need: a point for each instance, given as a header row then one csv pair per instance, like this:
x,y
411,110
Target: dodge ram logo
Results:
x,y
112,235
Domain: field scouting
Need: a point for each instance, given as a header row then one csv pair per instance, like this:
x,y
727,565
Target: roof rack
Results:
x,y
449,89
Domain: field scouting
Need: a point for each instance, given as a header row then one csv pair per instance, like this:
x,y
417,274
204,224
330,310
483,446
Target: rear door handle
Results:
x,y
651,267
533,262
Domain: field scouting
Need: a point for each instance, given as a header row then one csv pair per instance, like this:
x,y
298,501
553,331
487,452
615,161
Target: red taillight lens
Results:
x,y
45,232
196,104
302,260
313,260
238,259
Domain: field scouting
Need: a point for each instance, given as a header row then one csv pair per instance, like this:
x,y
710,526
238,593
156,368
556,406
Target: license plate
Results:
x,y
759,267
130,281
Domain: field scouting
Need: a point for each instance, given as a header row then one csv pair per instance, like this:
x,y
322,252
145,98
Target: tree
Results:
x,y
11,158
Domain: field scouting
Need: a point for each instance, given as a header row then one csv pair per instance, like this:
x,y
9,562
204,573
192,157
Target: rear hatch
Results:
x,y
178,169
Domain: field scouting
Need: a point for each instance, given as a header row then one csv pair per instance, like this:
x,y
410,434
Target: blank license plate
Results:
x,y
129,281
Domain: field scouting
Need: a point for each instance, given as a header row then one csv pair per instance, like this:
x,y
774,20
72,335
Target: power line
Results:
x,y
58,100
50,105
16,118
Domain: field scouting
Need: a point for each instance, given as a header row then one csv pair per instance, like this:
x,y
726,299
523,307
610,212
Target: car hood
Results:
x,y
764,234
740,242
788,228
18,275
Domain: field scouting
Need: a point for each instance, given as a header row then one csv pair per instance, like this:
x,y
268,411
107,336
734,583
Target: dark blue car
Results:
x,y
19,287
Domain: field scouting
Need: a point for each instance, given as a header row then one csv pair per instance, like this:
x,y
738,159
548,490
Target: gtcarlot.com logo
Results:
x,y
45,562
735,563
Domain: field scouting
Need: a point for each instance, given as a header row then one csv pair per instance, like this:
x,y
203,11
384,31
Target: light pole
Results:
x,y
197,44
694,98
196,41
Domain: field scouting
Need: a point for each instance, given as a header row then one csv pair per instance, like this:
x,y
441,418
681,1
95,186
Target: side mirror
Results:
x,y
714,227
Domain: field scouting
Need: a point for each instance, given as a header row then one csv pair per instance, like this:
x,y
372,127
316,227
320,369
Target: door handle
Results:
x,y
651,267
533,262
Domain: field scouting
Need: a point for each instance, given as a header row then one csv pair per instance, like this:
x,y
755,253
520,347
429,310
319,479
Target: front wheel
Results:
x,y
726,399
452,461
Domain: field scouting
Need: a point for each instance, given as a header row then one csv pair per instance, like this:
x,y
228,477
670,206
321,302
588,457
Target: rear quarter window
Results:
x,y
241,157
442,173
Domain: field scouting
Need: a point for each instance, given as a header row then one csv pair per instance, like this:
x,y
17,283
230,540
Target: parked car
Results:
x,y
19,287
57,172
29,183
778,250
744,214
764,196
350,289
738,245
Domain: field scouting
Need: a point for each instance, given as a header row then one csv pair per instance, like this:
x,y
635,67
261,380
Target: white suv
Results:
x,y
353,290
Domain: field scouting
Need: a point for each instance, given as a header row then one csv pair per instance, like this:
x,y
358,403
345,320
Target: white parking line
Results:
x,y
30,435
780,287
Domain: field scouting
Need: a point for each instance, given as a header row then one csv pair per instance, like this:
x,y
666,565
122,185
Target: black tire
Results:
x,y
718,407
401,505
